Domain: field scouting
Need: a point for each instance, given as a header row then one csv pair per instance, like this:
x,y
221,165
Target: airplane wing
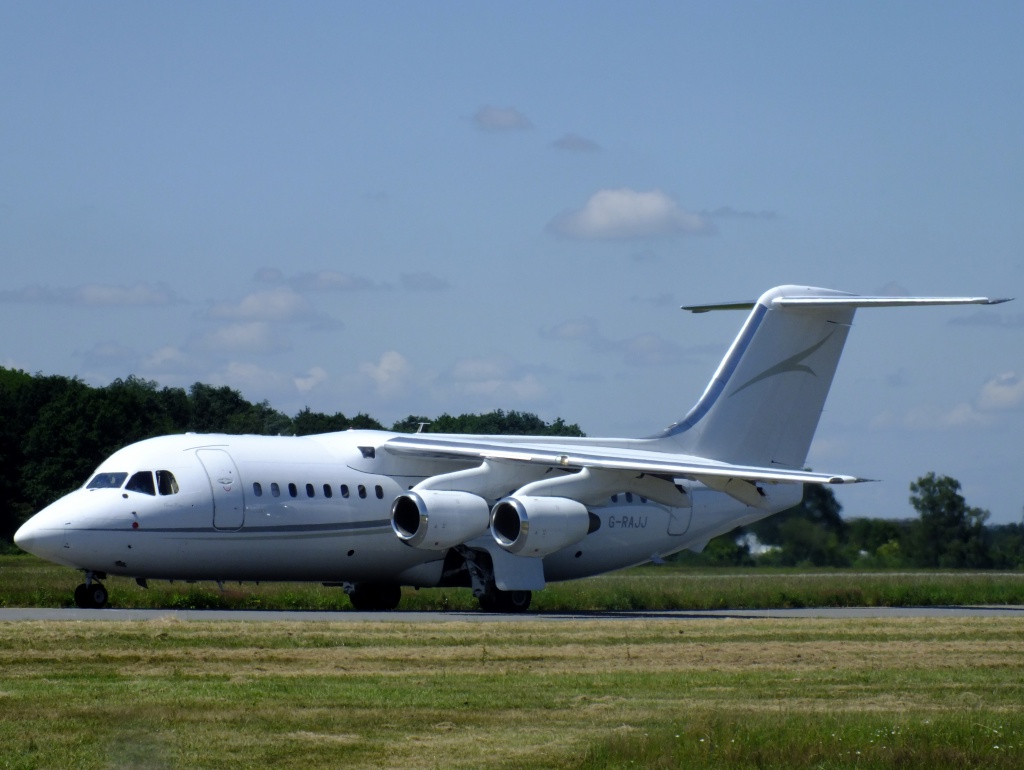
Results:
x,y
576,456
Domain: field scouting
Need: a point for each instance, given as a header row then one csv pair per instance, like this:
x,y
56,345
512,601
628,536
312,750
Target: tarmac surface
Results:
x,y
400,616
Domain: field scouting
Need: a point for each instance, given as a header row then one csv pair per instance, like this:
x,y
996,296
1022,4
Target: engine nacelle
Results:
x,y
537,526
437,519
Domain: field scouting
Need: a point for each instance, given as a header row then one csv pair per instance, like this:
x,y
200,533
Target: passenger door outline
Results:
x,y
228,497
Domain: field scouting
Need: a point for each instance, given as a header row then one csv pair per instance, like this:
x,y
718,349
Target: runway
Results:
x,y
25,614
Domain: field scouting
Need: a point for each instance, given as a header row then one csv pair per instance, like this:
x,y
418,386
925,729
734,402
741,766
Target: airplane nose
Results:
x,y
40,539
43,535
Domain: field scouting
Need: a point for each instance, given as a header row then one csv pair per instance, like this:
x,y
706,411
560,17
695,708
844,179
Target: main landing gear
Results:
x,y
374,597
91,595
496,600
481,579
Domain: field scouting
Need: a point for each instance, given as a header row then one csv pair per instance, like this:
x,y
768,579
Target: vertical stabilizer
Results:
x,y
764,401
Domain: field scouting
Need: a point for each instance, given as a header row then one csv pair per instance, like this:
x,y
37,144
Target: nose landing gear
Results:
x,y
91,595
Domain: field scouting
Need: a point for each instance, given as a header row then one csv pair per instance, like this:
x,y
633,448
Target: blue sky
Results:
x,y
412,208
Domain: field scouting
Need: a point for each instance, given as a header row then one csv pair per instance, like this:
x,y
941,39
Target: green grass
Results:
x,y
904,693
26,581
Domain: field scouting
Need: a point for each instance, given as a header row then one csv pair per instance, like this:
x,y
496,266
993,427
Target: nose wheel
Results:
x,y
91,596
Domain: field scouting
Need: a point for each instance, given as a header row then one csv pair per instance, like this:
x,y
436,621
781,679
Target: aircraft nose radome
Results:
x,y
43,535
38,539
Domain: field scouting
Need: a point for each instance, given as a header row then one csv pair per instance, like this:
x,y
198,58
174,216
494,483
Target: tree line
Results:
x,y
55,430
946,534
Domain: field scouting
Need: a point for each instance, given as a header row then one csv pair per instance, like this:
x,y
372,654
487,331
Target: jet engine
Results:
x,y
436,519
537,526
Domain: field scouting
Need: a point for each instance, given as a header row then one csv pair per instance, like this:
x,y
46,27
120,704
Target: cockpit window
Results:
x,y
166,483
141,482
107,481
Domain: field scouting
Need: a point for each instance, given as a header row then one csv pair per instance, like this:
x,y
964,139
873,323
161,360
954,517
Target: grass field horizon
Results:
x,y
26,581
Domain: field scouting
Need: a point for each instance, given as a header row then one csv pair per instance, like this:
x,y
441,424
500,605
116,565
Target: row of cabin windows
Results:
x,y
328,491
629,498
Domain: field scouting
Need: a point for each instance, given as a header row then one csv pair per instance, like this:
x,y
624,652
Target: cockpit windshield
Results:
x,y
142,482
107,481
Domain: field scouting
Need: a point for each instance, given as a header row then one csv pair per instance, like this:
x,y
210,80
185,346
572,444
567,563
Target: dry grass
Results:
x,y
170,693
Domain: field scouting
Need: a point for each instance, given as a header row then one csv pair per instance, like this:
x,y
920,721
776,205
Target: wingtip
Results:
x,y
848,480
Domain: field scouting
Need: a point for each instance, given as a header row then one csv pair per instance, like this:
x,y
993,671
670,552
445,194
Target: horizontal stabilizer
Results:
x,y
858,301
847,300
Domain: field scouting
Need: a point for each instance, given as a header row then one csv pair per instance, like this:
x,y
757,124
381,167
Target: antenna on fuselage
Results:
x,y
421,425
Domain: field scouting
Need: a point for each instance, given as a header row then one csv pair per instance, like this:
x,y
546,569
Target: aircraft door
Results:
x,y
228,502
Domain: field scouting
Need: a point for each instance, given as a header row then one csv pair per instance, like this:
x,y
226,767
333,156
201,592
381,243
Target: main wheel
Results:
x,y
505,601
91,597
376,597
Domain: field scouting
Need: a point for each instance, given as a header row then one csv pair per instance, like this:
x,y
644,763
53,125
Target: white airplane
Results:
x,y
372,511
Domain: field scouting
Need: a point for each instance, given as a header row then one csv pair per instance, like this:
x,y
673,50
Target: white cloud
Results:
x,y
330,280
499,380
649,350
1005,391
991,318
927,417
268,275
582,329
166,357
94,295
728,212
251,337
576,143
252,379
494,119
1001,393
625,213
638,350
315,376
391,376
273,305
110,351
423,282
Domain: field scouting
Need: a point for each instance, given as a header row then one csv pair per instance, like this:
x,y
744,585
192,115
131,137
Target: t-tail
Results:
x,y
763,404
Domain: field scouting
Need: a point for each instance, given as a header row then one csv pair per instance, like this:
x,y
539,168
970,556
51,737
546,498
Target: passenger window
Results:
x,y
344,490
257,489
379,490
166,483
293,490
275,489
362,491
141,482
310,491
629,497
615,498
328,492
107,481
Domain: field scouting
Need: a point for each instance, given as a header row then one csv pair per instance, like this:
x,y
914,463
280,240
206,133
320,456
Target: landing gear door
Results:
x,y
228,502
679,519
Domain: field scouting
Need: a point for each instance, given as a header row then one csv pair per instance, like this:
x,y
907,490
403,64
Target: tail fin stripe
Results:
x,y
791,364
721,379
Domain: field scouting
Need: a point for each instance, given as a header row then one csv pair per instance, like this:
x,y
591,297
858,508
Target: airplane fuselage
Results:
x,y
278,508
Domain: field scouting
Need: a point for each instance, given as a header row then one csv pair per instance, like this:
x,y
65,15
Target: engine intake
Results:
x,y
537,526
438,519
